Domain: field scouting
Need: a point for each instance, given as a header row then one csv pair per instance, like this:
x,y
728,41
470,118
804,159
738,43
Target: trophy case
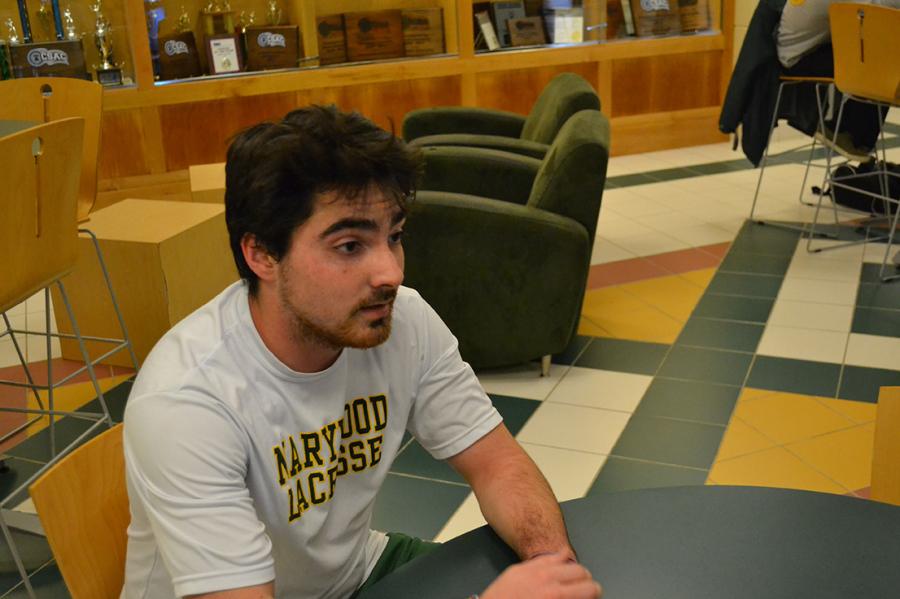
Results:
x,y
82,38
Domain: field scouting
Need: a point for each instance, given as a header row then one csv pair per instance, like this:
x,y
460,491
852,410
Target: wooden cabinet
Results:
x,y
660,92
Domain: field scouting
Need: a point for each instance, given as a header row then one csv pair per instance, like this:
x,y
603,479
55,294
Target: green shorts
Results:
x,y
400,549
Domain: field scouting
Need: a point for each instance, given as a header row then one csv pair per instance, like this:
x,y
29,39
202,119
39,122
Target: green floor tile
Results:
x,y
623,474
571,353
689,400
515,411
630,180
862,384
763,264
672,174
721,334
726,166
758,239
414,506
879,295
733,283
699,364
794,376
673,442
734,307
870,274
416,461
37,447
623,356
46,582
19,472
35,554
875,321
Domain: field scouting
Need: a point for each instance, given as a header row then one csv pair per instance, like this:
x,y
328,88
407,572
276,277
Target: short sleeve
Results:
x,y
451,410
186,461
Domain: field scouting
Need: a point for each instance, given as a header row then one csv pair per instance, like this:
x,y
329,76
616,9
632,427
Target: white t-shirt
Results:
x,y
241,471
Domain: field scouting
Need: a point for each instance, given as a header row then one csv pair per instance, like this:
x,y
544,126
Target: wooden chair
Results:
x,y
38,237
866,69
886,454
83,506
42,100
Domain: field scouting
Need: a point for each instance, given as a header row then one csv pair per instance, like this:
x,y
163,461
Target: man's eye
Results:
x,y
396,237
350,247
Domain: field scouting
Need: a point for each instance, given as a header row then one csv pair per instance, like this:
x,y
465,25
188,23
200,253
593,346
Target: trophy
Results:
x,y
12,34
108,72
26,24
223,46
71,33
272,46
45,16
178,56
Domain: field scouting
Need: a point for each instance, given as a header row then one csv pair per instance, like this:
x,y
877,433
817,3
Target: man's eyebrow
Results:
x,y
365,224
398,217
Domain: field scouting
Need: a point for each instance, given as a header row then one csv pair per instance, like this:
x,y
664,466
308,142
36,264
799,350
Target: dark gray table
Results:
x,y
694,543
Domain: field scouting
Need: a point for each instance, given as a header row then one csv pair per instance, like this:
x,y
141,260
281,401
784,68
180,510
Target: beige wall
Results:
x,y
743,10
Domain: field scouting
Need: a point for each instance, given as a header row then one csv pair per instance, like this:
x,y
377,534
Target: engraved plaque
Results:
x,y
223,54
332,40
694,14
374,35
423,31
272,46
178,56
656,17
59,59
527,32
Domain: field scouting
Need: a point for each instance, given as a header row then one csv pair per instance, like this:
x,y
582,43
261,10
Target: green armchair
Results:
x,y
507,272
531,136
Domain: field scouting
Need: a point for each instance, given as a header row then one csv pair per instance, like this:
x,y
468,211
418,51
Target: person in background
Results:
x,y
261,427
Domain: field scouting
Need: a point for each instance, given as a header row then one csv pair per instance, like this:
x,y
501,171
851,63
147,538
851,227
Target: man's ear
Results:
x,y
258,258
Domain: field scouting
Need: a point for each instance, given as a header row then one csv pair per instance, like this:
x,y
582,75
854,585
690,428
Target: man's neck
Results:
x,y
276,329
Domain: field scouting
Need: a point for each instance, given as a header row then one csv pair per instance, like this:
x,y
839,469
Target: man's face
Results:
x,y
339,277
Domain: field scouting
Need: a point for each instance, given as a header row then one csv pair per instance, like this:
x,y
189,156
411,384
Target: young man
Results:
x,y
261,427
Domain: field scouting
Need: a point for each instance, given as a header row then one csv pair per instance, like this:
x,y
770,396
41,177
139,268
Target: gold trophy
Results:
x,y
12,33
45,16
273,13
69,24
178,56
108,72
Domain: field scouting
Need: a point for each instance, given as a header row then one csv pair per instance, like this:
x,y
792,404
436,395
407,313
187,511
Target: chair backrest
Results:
x,y
886,452
566,94
38,230
572,176
83,506
45,99
866,43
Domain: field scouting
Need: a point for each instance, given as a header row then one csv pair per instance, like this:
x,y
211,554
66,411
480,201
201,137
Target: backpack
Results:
x,y
868,180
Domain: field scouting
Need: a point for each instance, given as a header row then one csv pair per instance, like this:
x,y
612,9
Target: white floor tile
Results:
x,y
649,244
8,356
592,388
574,427
809,315
812,266
873,253
702,234
570,473
522,381
847,253
633,206
670,222
467,517
803,344
873,351
842,293
606,251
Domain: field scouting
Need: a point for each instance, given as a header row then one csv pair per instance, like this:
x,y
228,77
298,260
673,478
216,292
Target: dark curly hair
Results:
x,y
274,172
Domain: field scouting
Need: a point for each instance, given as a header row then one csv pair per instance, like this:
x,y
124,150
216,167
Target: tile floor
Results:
x,y
710,351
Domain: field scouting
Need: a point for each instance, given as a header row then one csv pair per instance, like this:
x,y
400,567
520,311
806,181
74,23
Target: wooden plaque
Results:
x,y
178,56
332,40
423,31
223,54
272,47
527,32
655,17
58,59
374,35
694,14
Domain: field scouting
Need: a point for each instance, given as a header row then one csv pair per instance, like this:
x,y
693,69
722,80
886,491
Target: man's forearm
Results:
x,y
514,496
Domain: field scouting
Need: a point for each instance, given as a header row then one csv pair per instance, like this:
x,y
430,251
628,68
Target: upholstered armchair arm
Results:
x,y
461,119
515,145
489,266
480,172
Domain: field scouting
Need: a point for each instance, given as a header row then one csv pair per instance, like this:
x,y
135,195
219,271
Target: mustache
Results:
x,y
380,296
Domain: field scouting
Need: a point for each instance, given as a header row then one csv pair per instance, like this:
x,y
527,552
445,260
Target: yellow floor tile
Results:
x,y
857,411
71,397
788,417
741,439
751,394
586,327
845,456
609,298
672,295
700,278
642,323
775,467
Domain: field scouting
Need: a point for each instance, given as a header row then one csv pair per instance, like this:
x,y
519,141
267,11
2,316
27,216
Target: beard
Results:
x,y
354,331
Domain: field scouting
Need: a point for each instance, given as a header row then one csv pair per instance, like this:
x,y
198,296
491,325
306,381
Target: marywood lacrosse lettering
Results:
x,y
308,464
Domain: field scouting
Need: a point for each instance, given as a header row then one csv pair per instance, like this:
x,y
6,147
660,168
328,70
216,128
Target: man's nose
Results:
x,y
388,269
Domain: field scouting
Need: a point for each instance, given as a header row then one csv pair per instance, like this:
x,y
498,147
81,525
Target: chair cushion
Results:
x,y
565,95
